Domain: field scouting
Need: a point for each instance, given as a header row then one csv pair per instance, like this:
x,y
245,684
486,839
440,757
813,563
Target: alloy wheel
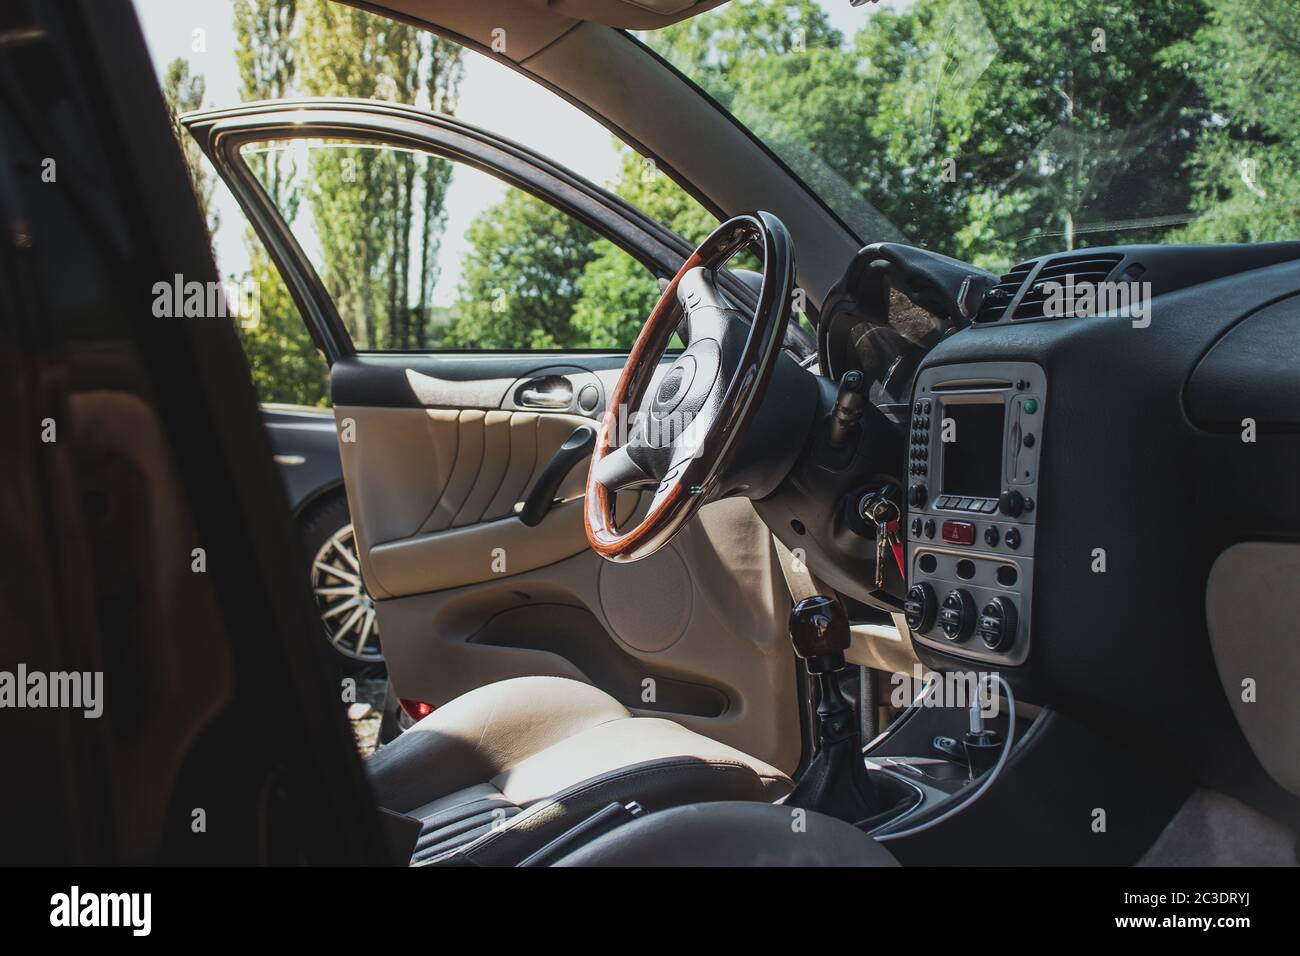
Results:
x,y
347,612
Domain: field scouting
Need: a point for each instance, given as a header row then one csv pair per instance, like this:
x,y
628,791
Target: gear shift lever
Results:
x,y
836,782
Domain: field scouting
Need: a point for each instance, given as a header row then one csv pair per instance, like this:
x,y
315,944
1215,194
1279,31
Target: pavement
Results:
x,y
368,712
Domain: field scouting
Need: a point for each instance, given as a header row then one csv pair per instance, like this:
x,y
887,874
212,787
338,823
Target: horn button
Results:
x,y
675,385
685,387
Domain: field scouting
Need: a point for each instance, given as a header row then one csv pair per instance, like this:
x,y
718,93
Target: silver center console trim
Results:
x,y
1000,540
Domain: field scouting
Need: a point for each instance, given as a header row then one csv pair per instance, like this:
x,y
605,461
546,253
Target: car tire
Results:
x,y
347,612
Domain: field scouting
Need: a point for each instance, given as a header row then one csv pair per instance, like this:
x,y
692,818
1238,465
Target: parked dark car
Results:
x,y
307,453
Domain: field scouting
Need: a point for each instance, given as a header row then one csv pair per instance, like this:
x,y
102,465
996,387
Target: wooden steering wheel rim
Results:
x,y
691,486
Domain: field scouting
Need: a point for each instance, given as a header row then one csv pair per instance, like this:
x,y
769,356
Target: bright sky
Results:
x,y
492,96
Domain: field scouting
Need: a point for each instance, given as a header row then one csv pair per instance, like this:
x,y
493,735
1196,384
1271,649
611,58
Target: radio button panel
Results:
x,y
981,499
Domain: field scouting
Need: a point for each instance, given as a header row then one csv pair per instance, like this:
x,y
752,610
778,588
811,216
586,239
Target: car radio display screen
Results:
x,y
973,455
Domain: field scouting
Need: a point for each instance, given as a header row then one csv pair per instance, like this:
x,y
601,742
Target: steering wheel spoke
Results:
x,y
617,471
708,315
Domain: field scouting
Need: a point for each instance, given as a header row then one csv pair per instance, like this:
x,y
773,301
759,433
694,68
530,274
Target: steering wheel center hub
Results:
x,y
675,386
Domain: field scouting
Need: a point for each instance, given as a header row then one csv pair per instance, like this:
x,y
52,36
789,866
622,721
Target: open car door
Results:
x,y
465,466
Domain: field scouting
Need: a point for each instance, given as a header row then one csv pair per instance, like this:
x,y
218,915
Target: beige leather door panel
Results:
x,y
432,493
494,549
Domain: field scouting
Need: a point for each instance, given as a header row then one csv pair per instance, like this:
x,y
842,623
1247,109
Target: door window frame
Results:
x,y
222,134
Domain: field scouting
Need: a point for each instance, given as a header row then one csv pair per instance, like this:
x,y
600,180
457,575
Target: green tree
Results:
x,y
368,202
183,93
617,292
1061,120
282,358
784,71
442,86
536,278
989,130
520,278
615,296
1246,166
266,55
652,191
358,194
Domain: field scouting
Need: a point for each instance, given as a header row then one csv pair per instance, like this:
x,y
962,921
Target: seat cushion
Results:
x,y
500,771
732,834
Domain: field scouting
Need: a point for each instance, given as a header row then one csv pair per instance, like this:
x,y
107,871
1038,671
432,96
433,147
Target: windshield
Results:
x,y
997,130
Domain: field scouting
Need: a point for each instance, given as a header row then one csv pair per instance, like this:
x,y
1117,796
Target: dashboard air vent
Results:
x,y
1085,267
999,297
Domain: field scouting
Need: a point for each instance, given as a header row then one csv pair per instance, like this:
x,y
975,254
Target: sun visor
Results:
x,y
628,14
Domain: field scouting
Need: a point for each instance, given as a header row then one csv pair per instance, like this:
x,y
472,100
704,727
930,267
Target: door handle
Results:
x,y
551,392
536,398
575,448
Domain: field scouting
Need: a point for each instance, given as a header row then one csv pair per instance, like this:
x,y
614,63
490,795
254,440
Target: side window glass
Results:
x,y
284,363
422,253
285,367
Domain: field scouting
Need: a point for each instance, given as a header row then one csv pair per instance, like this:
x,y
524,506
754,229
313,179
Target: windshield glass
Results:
x,y
997,130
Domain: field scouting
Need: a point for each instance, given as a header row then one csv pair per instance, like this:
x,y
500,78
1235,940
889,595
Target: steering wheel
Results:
x,y
681,442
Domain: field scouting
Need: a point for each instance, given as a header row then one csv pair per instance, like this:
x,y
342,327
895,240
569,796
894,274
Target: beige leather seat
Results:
x,y
499,772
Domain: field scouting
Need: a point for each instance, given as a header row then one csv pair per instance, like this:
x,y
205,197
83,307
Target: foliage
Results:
x,y
618,292
266,56
370,203
183,93
991,130
520,279
616,295
383,208
643,185
988,130
1246,164
282,358
536,278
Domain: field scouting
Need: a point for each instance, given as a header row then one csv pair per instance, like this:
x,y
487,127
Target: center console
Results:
x,y
973,451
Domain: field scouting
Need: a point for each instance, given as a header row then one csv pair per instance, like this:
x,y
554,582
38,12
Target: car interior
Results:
x,y
857,555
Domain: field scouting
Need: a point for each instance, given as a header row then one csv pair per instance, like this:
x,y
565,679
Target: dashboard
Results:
x,y
1073,483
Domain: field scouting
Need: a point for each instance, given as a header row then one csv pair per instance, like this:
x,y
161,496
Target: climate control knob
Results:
x,y
997,623
957,616
1011,503
920,607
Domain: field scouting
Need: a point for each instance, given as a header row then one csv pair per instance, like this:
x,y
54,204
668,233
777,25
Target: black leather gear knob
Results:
x,y
819,627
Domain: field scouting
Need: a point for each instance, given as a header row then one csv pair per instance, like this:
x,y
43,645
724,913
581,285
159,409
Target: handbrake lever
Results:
x,y
542,495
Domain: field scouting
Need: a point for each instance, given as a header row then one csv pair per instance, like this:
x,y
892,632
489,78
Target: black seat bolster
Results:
x,y
459,826
505,838
732,834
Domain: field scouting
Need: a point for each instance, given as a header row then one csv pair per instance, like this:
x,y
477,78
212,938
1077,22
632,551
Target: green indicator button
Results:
x,y
1031,406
